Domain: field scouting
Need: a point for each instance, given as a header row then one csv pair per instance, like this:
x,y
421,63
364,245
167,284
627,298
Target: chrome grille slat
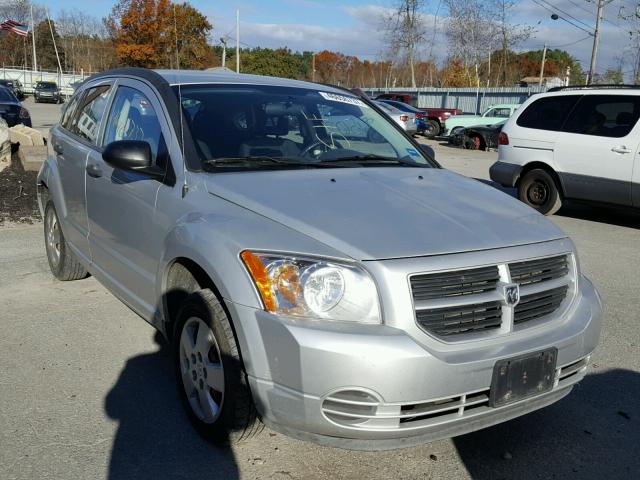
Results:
x,y
447,321
460,282
539,304
539,270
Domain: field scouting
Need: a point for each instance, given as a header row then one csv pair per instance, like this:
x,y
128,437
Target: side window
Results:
x,y
501,112
548,113
87,122
132,117
604,115
69,110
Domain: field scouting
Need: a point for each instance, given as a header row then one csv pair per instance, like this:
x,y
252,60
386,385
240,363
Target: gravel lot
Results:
x,y
86,389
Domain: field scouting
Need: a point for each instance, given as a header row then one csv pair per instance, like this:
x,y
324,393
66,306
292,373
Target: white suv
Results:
x,y
573,142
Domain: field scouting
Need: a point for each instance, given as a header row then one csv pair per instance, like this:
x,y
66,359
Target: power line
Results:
x,y
569,44
567,14
566,20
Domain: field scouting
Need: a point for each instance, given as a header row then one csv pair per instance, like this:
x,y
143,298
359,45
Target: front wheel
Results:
x,y
539,190
210,376
432,129
63,263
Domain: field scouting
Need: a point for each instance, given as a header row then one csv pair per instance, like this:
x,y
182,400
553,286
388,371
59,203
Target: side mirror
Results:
x,y
128,155
428,151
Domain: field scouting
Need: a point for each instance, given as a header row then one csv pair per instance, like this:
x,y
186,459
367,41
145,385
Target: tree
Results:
x,y
406,30
510,35
145,33
280,62
45,48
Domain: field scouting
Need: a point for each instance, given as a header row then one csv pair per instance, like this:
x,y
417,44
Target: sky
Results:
x,y
353,26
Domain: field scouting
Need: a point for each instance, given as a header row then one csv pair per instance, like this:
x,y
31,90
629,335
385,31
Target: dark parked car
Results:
x,y
12,110
48,92
480,137
15,86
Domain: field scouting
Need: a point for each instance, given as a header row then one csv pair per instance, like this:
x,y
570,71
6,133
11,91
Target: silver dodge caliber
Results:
x,y
313,268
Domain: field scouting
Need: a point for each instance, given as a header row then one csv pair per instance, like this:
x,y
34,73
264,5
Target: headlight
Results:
x,y
313,288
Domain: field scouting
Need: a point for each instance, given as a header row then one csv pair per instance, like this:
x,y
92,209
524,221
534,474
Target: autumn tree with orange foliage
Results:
x,y
144,34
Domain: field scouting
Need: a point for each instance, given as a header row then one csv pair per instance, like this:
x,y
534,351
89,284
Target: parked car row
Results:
x,y
11,109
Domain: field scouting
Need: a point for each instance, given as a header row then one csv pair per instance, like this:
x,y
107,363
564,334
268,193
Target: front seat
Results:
x,y
268,141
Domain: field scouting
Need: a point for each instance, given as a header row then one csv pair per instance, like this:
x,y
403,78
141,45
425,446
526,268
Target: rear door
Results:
x,y
126,240
72,141
597,148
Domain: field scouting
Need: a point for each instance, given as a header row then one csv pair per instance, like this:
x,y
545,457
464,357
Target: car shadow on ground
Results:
x,y
612,215
598,425
155,439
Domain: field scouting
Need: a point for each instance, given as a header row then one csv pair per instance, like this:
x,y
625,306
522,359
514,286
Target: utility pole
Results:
x,y
596,39
224,50
237,41
544,57
313,67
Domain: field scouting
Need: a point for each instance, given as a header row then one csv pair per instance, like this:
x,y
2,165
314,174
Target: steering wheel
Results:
x,y
307,151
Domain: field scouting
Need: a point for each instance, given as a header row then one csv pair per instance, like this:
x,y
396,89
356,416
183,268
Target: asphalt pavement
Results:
x,y
87,390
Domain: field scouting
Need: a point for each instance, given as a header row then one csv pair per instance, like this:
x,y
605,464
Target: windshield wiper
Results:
x,y
259,160
377,159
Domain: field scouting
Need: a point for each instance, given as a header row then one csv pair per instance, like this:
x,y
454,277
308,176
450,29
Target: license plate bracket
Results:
x,y
521,377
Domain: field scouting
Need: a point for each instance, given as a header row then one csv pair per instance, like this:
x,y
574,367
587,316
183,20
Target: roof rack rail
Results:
x,y
582,87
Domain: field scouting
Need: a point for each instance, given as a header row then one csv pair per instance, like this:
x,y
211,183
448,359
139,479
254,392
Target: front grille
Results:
x,y
539,270
539,304
452,284
472,300
461,319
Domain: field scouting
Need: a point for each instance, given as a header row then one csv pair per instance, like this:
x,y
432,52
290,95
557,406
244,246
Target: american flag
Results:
x,y
15,27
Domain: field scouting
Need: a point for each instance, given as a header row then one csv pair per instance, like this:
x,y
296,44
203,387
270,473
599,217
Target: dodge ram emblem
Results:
x,y
512,295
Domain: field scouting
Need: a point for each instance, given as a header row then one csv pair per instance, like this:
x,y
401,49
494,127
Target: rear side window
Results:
x,y
69,110
548,113
87,122
604,115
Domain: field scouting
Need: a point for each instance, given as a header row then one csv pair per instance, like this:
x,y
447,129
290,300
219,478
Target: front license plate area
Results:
x,y
521,377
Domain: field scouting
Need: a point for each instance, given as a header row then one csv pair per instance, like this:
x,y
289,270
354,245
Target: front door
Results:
x,y
597,147
124,237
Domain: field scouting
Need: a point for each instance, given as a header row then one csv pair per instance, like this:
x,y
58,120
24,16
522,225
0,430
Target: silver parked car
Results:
x,y
406,120
311,266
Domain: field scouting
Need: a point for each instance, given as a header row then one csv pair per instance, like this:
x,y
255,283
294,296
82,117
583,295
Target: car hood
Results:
x,y
382,213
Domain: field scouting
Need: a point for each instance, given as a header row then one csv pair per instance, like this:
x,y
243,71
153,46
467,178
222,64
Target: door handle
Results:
x,y
621,149
94,170
58,148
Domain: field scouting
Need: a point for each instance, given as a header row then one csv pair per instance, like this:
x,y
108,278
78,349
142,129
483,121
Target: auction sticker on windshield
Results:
x,y
343,98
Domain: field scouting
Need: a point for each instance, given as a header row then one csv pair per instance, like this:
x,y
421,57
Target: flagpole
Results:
x,y
33,36
54,39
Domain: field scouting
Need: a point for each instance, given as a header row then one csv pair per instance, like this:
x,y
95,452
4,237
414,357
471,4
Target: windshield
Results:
x,y
291,127
46,86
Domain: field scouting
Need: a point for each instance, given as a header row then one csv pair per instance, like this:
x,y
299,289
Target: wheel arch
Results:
x,y
542,166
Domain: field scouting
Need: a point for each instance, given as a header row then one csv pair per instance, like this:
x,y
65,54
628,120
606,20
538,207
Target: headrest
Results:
x,y
624,118
277,126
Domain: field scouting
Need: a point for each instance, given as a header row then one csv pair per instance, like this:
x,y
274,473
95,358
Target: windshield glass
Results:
x,y
291,126
46,86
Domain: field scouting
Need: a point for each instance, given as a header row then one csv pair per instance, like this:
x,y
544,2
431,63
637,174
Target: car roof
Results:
x,y
504,105
190,77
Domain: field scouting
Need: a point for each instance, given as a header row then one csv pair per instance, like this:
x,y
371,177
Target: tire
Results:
x,y
210,376
539,190
62,261
432,129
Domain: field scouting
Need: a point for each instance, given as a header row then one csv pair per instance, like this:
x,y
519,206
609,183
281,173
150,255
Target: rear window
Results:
x,y
604,115
548,113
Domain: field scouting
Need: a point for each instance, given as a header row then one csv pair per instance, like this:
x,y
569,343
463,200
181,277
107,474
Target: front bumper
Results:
x,y
301,374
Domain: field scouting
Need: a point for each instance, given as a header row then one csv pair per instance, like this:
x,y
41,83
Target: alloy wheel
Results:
x,y
201,370
53,237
